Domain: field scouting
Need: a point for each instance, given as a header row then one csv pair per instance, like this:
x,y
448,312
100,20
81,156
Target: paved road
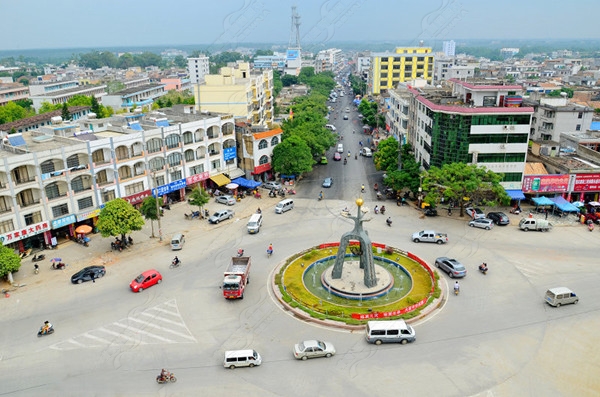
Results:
x,y
497,338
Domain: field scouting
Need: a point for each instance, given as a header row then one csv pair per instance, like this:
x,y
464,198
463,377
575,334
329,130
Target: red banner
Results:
x,y
197,178
545,183
587,183
259,169
375,315
138,197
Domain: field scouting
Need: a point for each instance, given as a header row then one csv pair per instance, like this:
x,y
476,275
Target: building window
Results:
x,y
6,226
154,145
263,144
197,169
578,127
47,167
52,191
263,160
580,115
73,161
134,188
59,210
107,196
35,217
85,203
274,141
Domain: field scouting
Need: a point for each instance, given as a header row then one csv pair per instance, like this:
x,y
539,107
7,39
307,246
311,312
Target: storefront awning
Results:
x,y
220,180
236,173
516,194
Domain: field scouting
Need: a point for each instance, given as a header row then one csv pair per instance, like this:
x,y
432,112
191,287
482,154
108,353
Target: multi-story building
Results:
x,y
471,123
245,93
13,92
328,60
448,68
362,61
388,69
59,176
275,61
198,68
176,84
138,96
256,150
554,116
59,92
41,120
449,48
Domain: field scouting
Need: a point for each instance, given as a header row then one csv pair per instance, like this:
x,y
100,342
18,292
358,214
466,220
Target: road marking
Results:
x,y
147,327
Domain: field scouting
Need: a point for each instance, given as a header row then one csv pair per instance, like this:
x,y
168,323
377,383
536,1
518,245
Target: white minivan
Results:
x,y
340,148
177,241
254,223
560,296
389,331
284,205
241,358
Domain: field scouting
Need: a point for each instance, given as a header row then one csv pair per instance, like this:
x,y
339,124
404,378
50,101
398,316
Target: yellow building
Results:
x,y
404,64
240,91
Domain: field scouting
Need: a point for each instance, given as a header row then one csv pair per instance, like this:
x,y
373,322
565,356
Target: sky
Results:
x,y
33,24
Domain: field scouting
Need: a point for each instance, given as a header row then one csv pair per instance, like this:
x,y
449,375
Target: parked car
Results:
x,y
226,199
451,266
274,185
347,110
483,223
474,213
499,218
145,280
313,348
221,216
345,117
337,156
430,211
327,182
88,273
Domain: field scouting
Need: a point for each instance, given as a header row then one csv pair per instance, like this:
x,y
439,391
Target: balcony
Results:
x,y
23,181
214,153
4,210
30,203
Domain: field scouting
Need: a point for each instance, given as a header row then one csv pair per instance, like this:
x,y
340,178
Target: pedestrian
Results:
x,y
546,213
93,278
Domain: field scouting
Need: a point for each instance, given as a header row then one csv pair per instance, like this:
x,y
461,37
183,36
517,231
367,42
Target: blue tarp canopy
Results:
x,y
516,194
564,205
542,201
243,182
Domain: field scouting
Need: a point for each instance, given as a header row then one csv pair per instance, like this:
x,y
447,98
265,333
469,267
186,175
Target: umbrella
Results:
x,y
232,186
578,204
56,260
83,229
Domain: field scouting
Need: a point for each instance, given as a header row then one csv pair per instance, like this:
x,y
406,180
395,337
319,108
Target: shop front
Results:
x,y
62,230
197,180
137,199
263,172
31,236
88,219
171,192
586,188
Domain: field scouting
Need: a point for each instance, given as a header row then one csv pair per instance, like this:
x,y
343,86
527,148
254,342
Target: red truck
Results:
x,y
236,277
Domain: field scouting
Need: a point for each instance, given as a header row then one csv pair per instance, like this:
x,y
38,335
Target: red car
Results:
x,y
337,156
145,280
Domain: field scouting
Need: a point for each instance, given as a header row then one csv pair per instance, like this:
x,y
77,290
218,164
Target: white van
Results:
x,y
560,296
340,148
177,241
366,152
241,358
254,223
330,127
390,331
284,205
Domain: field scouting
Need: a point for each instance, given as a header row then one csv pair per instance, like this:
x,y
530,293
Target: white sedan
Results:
x,y
313,348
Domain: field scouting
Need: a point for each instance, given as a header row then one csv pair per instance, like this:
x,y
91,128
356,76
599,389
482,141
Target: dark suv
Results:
x,y
499,218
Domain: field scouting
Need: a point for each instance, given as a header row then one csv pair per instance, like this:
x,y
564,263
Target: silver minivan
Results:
x,y
241,358
560,296
177,241
254,223
389,331
284,205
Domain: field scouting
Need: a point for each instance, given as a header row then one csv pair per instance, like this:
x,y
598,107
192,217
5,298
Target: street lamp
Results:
x,y
157,206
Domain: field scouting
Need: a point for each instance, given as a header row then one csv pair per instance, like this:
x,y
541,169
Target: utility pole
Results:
x,y
157,207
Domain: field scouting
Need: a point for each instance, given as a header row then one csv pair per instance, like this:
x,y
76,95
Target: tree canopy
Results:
x,y
386,156
199,197
409,174
118,218
292,156
149,210
463,183
10,262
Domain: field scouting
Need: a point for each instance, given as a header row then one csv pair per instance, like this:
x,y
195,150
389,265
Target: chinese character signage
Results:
x,y
171,187
373,315
28,231
138,197
545,183
587,183
197,178
64,221
88,215
229,153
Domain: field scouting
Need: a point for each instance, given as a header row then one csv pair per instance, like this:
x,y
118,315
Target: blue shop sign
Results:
x,y
171,187
229,153
64,221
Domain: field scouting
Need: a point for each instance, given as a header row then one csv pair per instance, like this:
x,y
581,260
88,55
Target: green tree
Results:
x,y
288,80
11,112
126,61
386,156
95,107
409,174
118,218
306,73
292,156
199,197
148,210
463,182
10,262
114,86
180,61
277,84
48,107
80,100
65,112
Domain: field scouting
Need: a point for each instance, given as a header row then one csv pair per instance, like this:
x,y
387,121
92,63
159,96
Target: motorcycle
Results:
x,y
272,193
169,377
36,268
58,266
193,215
43,332
116,246
483,268
590,226
456,290
345,161
240,253
83,241
37,258
174,264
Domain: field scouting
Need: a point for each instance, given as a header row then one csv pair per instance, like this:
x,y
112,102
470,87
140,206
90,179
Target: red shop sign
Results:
x,y
587,183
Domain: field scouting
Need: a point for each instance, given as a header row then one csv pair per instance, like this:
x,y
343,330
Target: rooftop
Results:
x,y
135,90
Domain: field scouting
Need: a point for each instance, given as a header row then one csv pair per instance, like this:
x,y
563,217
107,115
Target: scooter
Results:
x,y
483,269
43,332
345,161
37,258
590,226
36,268
168,378
116,246
240,253
58,266
456,290
174,264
